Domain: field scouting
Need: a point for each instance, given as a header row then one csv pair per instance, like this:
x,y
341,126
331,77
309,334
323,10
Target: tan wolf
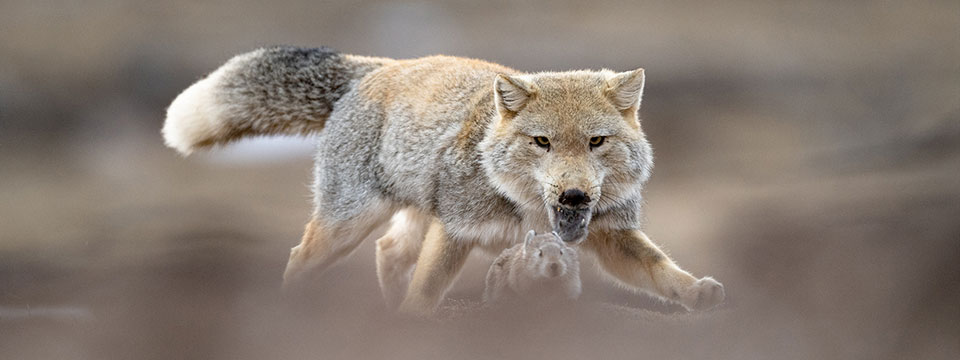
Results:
x,y
461,153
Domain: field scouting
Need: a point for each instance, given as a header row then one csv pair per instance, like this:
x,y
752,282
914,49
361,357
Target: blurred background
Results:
x,y
808,157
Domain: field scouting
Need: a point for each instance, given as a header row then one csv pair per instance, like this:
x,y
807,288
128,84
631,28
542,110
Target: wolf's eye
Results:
x,y
542,141
597,141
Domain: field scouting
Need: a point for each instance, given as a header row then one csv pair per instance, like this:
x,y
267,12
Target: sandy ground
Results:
x,y
181,258
808,156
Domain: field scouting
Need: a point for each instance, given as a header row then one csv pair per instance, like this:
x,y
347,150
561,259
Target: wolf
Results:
x,y
456,153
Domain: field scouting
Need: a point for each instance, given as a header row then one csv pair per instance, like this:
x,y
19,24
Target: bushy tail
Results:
x,y
278,90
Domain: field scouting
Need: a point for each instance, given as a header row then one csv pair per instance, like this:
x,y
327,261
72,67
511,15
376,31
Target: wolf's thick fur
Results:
x,y
460,152
280,90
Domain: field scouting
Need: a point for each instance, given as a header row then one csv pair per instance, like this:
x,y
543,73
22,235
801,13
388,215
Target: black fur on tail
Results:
x,y
283,89
276,90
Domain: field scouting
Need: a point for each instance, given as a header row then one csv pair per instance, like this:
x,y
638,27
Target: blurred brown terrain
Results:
x,y
808,157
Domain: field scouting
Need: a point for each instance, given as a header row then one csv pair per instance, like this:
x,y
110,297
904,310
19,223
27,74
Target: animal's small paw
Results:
x,y
703,294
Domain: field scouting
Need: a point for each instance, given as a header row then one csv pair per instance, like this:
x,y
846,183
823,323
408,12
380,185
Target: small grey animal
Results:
x,y
542,268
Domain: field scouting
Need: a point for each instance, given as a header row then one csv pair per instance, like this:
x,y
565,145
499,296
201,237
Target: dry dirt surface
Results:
x,y
181,258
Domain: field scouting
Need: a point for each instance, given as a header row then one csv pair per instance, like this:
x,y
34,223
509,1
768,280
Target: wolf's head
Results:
x,y
569,143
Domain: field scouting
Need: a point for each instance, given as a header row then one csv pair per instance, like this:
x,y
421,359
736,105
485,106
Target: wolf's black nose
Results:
x,y
574,197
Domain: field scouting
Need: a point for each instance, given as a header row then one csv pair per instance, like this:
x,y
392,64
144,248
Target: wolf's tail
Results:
x,y
278,90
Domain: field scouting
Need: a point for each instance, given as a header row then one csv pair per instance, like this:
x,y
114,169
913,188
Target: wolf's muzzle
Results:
x,y
574,198
571,224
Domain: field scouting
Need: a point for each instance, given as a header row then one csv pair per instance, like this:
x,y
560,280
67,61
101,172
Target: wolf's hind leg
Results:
x,y
325,241
440,260
397,252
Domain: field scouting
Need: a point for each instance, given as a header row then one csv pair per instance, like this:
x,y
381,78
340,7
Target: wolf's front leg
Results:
x,y
631,257
441,259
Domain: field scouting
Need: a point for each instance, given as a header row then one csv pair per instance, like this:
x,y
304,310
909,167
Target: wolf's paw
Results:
x,y
703,294
414,308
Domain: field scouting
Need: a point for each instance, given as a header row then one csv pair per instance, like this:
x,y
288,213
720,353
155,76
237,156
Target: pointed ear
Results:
x,y
512,92
557,237
625,89
526,241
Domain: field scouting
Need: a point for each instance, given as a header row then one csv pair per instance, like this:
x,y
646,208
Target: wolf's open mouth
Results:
x,y
571,224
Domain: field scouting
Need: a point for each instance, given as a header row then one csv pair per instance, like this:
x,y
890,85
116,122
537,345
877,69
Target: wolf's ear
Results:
x,y
512,92
625,89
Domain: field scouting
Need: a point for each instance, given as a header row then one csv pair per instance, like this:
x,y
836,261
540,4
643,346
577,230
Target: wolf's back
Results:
x,y
277,90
